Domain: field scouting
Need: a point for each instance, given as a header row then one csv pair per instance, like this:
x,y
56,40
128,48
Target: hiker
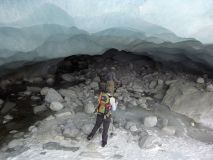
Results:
x,y
106,104
111,79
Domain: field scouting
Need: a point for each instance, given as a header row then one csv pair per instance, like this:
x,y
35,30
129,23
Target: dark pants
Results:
x,y
106,122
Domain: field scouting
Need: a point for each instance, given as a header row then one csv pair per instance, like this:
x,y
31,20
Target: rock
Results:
x,y
39,109
133,128
33,129
153,84
56,106
209,88
94,85
148,142
68,77
50,81
35,80
169,130
71,132
35,98
27,93
169,82
4,84
117,156
97,79
68,93
64,114
16,142
129,124
57,146
34,89
89,107
13,132
137,86
87,128
150,121
53,96
1,102
8,117
49,118
44,91
200,80
182,97
18,135
7,107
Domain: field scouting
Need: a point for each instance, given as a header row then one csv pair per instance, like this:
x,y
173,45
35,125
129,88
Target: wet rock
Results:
x,y
150,121
16,142
56,106
44,91
87,128
200,80
39,109
57,146
169,130
89,107
7,107
53,96
209,88
148,142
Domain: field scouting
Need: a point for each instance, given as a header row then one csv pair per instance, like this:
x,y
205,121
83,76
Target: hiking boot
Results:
x,y
89,137
103,144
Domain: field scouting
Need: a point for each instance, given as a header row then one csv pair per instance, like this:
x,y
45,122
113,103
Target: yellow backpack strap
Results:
x,y
99,98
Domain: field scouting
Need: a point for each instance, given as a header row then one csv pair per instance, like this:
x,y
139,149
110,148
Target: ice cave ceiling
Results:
x,y
40,29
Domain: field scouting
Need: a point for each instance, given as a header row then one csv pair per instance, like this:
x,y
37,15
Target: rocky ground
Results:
x,y
162,114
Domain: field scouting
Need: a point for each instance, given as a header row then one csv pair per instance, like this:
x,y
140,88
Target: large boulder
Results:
x,y
185,98
53,96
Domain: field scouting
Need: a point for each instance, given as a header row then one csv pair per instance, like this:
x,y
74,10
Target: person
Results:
x,y
106,104
111,79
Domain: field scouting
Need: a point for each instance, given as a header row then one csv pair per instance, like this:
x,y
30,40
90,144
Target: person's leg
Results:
x,y
106,124
99,120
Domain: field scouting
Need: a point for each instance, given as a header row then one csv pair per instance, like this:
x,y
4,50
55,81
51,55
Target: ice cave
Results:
x,y
106,80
